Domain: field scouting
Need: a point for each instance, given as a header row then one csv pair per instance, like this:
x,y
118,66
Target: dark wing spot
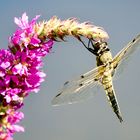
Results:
x,y
115,66
80,85
125,51
134,40
66,83
58,94
96,79
82,76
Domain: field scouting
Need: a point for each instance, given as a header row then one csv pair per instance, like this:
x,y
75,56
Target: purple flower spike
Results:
x,y
20,73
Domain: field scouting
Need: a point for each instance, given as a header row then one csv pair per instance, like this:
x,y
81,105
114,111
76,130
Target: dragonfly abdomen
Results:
x,y
108,86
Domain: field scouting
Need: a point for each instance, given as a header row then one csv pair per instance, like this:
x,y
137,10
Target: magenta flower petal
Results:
x,y
34,20
33,80
20,69
5,65
17,128
22,22
8,98
35,41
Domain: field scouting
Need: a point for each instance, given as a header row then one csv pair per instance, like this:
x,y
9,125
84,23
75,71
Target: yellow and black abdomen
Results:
x,y
109,90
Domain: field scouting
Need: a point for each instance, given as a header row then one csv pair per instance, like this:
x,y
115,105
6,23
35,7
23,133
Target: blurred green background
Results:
x,y
92,119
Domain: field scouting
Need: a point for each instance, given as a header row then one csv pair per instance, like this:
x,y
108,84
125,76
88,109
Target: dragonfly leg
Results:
x,y
92,50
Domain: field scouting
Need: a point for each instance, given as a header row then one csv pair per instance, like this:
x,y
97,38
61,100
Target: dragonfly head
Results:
x,y
97,48
100,47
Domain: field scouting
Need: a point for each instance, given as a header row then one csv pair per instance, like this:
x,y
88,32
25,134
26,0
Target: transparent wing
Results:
x,y
79,89
121,59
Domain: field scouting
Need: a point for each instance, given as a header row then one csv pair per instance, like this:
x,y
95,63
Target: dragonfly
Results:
x,y
77,90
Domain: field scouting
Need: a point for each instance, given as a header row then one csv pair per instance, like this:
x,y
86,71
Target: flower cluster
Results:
x,y
21,63
57,29
20,73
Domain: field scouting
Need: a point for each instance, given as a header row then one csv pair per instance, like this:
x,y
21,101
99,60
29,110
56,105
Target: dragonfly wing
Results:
x,y
122,58
79,89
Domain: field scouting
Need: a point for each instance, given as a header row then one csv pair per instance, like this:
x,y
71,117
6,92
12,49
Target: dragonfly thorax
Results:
x,y
104,58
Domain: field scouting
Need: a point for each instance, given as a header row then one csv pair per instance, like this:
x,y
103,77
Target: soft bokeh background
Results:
x,y
93,119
